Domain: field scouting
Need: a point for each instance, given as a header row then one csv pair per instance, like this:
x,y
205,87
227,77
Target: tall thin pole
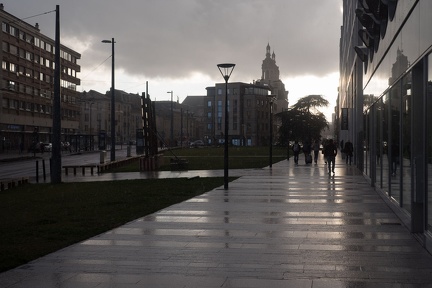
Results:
x,y
271,135
56,152
226,137
226,70
172,121
113,136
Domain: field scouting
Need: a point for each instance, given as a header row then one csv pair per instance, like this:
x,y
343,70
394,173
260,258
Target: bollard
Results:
x,y
128,151
102,156
43,170
37,171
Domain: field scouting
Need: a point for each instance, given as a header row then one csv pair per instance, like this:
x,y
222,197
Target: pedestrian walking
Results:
x,y
316,149
394,158
342,149
296,149
307,148
348,150
330,152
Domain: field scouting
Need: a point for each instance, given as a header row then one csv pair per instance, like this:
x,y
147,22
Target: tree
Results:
x,y
303,121
311,101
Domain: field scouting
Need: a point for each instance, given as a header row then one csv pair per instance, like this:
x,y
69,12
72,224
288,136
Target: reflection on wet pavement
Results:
x,y
292,226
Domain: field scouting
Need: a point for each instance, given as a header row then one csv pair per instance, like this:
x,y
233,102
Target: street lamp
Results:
x,y
271,99
172,120
226,70
112,101
90,127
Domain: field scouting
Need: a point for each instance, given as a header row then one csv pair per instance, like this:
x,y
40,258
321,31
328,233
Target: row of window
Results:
x,y
35,108
14,31
247,91
30,90
22,53
28,72
248,103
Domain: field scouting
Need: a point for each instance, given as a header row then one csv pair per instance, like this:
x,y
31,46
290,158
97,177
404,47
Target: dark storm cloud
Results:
x,y
174,38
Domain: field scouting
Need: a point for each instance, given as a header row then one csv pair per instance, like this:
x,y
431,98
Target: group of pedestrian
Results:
x,y
329,150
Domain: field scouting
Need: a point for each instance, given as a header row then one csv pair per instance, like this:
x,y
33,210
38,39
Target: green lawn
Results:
x,y
212,158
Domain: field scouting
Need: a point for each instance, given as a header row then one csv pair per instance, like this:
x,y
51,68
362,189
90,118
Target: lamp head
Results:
x,y
226,70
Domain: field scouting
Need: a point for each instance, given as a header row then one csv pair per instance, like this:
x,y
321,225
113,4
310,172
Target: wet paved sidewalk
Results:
x,y
291,226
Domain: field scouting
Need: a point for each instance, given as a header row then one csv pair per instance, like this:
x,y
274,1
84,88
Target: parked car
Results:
x,y
197,143
47,147
65,146
35,147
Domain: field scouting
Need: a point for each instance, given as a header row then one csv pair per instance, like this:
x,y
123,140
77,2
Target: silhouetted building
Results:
x,y
249,114
271,77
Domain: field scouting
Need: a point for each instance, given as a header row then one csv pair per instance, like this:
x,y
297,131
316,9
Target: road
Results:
x,y
26,167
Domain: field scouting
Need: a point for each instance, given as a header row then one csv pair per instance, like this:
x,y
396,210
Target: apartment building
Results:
x,y
27,85
248,114
95,119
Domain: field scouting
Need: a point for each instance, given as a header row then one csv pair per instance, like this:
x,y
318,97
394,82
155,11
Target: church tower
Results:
x,y
270,71
270,76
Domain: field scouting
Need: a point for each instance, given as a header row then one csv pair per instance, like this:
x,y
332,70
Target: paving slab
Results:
x,y
288,226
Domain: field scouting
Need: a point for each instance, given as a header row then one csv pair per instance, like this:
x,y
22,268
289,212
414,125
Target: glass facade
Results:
x,y
429,144
397,89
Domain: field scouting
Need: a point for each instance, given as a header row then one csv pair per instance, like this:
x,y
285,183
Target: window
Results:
x,y
219,91
29,38
13,49
29,72
12,30
4,65
29,56
5,46
209,103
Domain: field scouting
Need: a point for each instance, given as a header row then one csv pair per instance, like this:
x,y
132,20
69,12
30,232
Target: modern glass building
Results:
x,y
385,102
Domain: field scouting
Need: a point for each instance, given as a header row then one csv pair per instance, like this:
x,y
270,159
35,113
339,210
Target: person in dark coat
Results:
x,y
330,152
296,149
307,148
348,150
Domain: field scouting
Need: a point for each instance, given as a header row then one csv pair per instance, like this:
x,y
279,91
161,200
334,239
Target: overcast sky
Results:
x,y
176,44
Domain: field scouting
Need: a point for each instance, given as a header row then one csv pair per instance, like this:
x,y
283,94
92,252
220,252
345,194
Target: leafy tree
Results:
x,y
311,101
303,121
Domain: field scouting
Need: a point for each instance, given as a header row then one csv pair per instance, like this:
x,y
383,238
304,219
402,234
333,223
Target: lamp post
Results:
x,y
271,98
90,127
172,121
112,101
226,70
